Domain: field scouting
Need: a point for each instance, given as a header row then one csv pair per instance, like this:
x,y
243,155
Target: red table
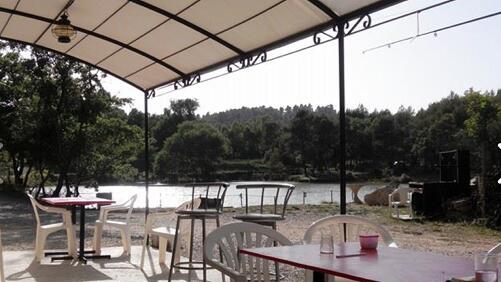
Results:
x,y
81,202
384,264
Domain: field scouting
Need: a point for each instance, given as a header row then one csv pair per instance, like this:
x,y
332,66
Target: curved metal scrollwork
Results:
x,y
323,35
333,33
366,21
245,62
150,94
187,81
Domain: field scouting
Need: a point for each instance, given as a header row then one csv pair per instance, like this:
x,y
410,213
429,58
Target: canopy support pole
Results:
x,y
342,119
147,95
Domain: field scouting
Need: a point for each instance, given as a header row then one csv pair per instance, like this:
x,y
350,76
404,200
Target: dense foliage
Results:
x,y
195,150
58,126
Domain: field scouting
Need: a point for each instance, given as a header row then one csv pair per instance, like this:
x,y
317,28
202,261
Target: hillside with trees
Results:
x,y
59,127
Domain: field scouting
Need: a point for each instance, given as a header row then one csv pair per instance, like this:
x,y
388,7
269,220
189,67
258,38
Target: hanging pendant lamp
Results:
x,y
63,30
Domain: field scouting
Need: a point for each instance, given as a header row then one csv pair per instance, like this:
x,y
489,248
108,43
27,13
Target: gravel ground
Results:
x,y
456,239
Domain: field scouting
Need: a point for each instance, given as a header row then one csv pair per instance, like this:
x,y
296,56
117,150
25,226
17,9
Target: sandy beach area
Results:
x,y
456,239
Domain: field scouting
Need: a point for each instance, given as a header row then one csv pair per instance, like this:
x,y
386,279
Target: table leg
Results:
x,y
319,277
81,253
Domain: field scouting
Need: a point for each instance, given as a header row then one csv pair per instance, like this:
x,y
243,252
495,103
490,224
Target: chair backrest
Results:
x,y
230,238
36,205
403,193
278,190
212,196
346,228
189,205
130,205
127,205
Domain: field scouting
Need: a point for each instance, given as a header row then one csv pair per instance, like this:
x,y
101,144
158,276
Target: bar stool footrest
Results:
x,y
181,265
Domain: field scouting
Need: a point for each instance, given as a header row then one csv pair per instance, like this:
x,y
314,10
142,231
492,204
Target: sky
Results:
x,y
414,73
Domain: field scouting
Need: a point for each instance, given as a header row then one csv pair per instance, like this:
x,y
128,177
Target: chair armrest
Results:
x,y
150,219
103,214
49,209
111,208
114,208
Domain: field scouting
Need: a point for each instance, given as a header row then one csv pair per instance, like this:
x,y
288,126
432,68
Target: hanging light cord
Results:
x,y
431,32
406,15
354,32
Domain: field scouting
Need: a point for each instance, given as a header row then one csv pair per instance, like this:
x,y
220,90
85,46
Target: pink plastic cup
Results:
x,y
368,241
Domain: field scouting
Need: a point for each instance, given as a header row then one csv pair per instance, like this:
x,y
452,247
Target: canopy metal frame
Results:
x,y
340,25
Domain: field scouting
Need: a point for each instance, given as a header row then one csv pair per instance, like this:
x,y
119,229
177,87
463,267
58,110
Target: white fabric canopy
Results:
x,y
156,42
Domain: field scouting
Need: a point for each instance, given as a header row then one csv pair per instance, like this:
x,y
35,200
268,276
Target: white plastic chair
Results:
x,y
230,238
45,230
496,250
2,274
166,234
404,196
344,228
123,226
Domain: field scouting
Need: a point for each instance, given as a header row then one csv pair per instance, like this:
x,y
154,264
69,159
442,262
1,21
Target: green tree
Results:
x,y
359,146
179,112
50,107
194,151
383,137
483,115
301,138
111,148
438,128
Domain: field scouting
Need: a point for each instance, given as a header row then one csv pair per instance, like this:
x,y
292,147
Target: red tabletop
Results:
x,y
63,201
384,264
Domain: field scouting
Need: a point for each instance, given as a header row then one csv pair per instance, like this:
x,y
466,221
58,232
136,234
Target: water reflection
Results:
x,y
171,196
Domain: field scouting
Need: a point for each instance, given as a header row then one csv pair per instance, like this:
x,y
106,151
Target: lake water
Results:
x,y
171,196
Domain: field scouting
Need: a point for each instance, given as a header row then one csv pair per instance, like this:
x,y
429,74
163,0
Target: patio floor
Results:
x,y
19,266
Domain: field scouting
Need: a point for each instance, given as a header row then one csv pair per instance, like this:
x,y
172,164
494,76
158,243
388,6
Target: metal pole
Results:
x,y
146,153
342,119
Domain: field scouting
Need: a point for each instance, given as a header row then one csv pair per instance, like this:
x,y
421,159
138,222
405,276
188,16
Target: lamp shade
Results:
x,y
63,30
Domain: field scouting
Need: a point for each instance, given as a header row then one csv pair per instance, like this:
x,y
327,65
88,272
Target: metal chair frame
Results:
x,y
201,213
289,188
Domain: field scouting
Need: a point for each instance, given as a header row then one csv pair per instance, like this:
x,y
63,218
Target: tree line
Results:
x,y
59,126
